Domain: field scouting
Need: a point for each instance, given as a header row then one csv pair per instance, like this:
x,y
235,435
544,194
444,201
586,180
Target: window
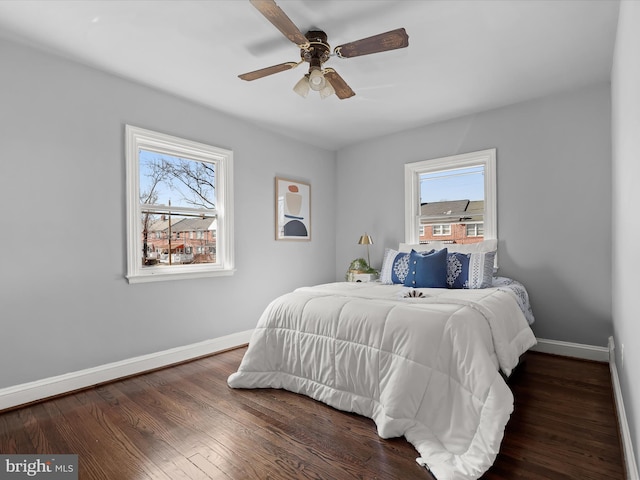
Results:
x,y
179,208
452,192
475,230
440,230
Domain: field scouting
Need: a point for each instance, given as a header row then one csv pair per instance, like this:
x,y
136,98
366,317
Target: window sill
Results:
x,y
183,275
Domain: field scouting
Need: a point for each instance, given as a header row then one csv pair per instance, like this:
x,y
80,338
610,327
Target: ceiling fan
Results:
x,y
315,50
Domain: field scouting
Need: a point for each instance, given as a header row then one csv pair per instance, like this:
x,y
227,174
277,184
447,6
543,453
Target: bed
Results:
x,y
425,363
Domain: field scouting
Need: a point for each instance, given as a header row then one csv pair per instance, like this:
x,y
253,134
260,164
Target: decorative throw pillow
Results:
x,y
470,270
427,269
387,266
399,267
395,266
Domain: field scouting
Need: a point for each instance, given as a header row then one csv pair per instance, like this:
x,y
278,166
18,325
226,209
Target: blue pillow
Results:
x,y
470,270
427,269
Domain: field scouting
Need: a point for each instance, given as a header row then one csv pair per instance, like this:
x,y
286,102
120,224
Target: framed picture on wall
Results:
x,y
293,210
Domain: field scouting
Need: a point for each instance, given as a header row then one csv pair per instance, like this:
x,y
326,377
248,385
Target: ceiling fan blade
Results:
x,y
279,19
339,85
264,72
378,43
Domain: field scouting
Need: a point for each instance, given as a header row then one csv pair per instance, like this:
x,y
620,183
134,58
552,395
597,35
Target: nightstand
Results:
x,y
362,277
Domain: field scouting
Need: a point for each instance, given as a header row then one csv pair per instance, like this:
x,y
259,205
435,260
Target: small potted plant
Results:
x,y
360,267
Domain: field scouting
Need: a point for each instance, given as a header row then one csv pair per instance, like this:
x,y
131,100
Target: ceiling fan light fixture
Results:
x,y
327,91
302,87
316,80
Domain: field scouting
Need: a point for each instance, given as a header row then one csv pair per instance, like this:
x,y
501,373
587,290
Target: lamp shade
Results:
x,y
316,80
327,91
302,87
365,240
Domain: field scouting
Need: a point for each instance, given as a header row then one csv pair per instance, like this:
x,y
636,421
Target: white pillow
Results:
x,y
479,247
422,247
387,266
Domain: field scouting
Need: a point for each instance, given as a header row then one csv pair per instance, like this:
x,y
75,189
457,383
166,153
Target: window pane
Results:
x,y
442,229
175,181
177,240
454,195
471,230
475,230
452,185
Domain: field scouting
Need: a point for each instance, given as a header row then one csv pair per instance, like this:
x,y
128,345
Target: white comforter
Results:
x,y
426,368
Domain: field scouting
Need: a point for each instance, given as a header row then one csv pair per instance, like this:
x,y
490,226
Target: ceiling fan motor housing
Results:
x,y
318,51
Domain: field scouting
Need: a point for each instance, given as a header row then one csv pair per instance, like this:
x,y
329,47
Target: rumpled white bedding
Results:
x,y
426,368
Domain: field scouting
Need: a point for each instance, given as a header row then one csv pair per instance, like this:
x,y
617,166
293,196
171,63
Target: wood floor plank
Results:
x,y
184,422
206,469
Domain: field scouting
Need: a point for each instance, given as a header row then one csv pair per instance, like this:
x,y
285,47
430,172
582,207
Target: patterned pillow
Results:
x,y
399,267
387,266
427,269
470,270
395,266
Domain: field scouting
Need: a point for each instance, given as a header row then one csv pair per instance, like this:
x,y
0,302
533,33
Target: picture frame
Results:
x,y
293,209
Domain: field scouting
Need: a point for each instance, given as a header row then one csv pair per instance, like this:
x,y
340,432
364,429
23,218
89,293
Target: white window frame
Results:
x,y
475,226
137,139
442,228
412,172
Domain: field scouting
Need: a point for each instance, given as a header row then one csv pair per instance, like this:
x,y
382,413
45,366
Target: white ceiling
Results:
x,y
464,56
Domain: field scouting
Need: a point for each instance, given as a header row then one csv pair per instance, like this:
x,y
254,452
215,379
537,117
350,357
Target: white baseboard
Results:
x,y
627,445
576,350
30,392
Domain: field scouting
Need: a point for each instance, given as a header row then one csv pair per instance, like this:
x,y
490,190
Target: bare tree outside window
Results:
x,y
186,182
172,182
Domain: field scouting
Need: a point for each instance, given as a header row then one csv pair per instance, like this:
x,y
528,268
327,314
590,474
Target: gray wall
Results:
x,y
554,201
65,304
625,85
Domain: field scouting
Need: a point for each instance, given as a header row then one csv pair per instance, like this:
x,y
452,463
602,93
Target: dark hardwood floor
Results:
x,y
184,422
